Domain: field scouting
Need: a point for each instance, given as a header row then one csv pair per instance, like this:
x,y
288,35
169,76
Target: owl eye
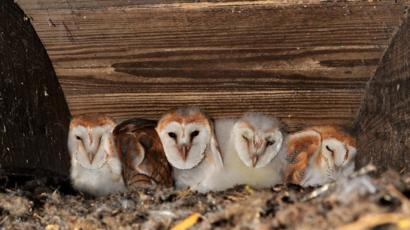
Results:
x,y
270,143
77,137
244,137
172,135
330,150
194,134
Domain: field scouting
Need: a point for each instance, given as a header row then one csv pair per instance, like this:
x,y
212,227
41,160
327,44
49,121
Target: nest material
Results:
x,y
287,206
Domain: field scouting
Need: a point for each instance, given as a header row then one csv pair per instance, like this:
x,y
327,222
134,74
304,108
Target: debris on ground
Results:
x,y
358,202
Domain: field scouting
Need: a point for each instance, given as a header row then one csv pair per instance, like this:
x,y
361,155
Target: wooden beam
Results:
x,y
305,63
384,120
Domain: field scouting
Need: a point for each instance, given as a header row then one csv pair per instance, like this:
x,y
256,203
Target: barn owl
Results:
x,y
95,165
252,152
190,146
319,155
142,155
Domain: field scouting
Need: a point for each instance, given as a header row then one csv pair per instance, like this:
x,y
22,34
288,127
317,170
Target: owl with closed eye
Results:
x,y
95,165
319,155
190,146
252,153
142,155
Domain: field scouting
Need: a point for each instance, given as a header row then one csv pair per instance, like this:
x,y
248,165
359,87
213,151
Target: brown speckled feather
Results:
x,y
304,144
301,147
131,137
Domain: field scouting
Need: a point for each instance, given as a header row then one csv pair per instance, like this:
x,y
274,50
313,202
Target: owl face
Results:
x,y
257,139
320,154
185,135
337,148
90,140
337,153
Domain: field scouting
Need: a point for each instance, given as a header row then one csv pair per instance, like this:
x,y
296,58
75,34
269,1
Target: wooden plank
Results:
x,y
383,123
297,115
92,5
128,56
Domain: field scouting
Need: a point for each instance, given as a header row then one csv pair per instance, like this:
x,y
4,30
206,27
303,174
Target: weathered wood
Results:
x,y
87,4
384,120
34,116
305,63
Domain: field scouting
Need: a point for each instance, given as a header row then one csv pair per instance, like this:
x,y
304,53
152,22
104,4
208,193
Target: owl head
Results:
x,y
321,148
90,140
337,147
258,139
187,134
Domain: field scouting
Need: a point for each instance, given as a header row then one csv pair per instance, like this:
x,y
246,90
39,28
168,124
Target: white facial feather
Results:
x,y
258,139
336,159
192,136
238,168
86,145
190,146
95,166
335,151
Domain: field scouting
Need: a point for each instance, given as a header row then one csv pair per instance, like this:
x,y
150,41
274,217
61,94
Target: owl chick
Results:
x,y
190,146
95,165
142,155
319,155
251,150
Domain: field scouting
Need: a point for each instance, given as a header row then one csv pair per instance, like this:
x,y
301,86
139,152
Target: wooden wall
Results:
x,y
306,62
384,118
34,117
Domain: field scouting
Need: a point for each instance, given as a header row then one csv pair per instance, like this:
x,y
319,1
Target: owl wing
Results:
x,y
131,152
154,169
127,130
130,155
156,160
301,147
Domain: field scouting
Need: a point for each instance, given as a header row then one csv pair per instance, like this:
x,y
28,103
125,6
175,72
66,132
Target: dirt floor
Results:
x,y
360,202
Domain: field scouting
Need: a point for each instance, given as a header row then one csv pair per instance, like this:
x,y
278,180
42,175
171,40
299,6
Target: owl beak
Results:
x,y
258,143
90,157
90,138
184,150
254,160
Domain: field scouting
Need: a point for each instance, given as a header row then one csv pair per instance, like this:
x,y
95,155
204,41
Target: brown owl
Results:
x,y
319,155
142,155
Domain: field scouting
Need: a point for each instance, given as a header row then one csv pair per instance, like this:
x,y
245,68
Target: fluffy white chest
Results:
x,y
195,178
98,182
315,175
238,173
234,171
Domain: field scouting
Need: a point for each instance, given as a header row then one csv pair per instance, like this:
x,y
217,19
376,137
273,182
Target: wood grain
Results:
x,y
383,123
307,63
297,115
34,115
